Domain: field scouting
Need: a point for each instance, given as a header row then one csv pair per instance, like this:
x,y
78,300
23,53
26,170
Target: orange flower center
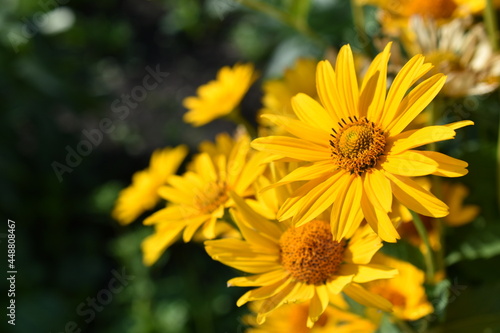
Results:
x,y
357,145
436,9
310,254
213,196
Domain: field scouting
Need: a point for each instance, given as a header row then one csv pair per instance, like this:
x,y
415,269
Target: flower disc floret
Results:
x,y
310,254
357,145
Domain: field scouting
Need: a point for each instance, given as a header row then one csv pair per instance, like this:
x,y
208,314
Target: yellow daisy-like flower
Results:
x,y
197,199
359,152
294,265
292,318
394,15
405,291
219,97
142,194
460,213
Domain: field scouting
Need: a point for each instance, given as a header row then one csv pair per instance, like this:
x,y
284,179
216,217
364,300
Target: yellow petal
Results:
x,y
308,172
259,279
193,224
278,299
205,167
415,197
337,283
378,188
318,304
416,101
402,82
300,129
175,195
291,147
409,163
364,297
154,245
254,227
447,166
263,292
318,199
362,247
251,169
378,220
374,86
171,213
312,113
326,84
416,138
459,124
371,272
294,202
347,84
346,206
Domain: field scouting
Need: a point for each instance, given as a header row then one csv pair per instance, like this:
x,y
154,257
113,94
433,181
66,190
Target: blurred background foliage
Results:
x,y
65,63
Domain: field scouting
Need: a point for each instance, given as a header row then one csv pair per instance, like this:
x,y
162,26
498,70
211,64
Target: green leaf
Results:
x,y
472,310
405,251
387,326
483,241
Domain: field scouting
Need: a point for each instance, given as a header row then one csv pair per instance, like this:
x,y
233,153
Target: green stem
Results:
x,y
236,117
403,325
490,20
498,164
299,25
428,255
358,19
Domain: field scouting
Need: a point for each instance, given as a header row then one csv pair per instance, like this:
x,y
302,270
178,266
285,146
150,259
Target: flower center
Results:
x,y
211,197
310,254
436,9
357,145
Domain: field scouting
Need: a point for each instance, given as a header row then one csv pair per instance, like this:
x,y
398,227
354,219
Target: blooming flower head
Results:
x,y
405,291
219,97
395,15
360,156
294,265
142,194
460,50
197,199
292,318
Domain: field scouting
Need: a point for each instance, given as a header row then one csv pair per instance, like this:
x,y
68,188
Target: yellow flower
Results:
x,y
359,152
460,50
294,265
405,291
278,92
197,199
292,318
394,15
142,194
460,214
219,97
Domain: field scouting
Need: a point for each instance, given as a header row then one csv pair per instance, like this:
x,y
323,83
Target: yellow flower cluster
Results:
x,y
304,209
